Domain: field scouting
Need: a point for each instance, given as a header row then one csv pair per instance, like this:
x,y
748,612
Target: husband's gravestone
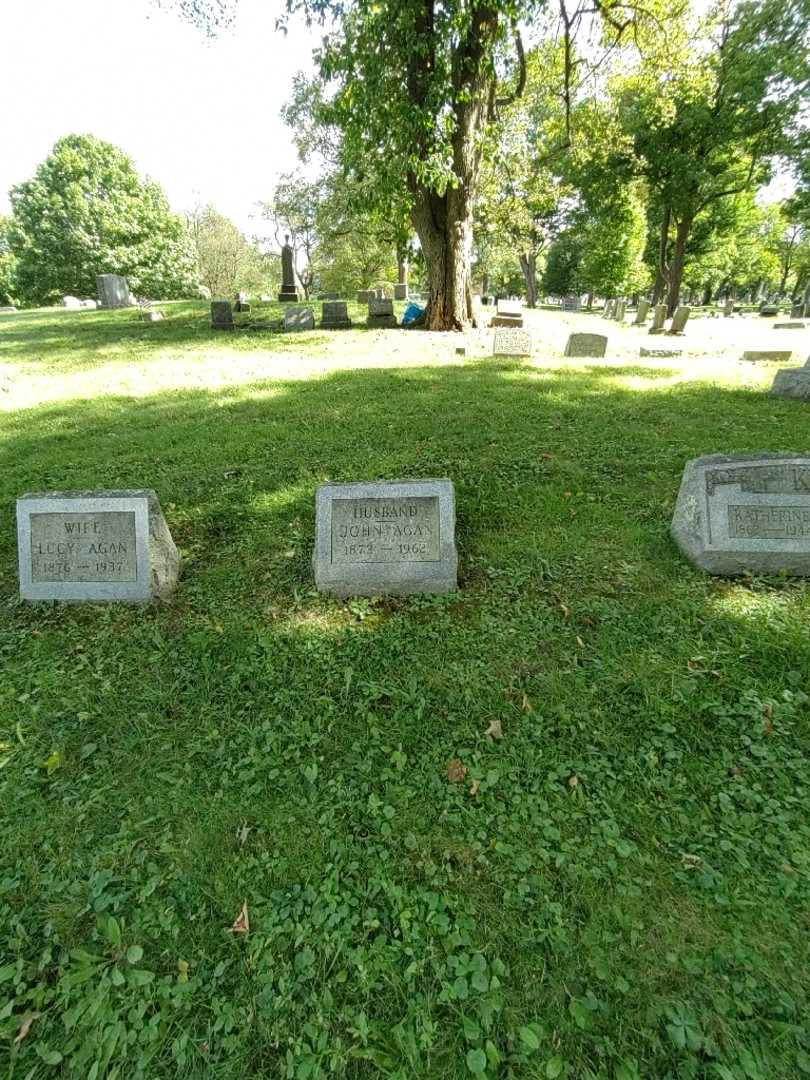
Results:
x,y
221,315
94,545
745,512
335,315
586,345
299,318
395,537
380,313
510,342
113,291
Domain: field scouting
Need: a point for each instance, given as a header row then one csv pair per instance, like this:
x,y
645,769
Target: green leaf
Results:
x,y
529,1038
134,954
477,1062
554,1067
112,930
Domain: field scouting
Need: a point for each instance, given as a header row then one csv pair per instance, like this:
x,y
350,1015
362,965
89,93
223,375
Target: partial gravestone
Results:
x,y
571,303
618,311
772,356
289,293
400,291
792,383
509,313
90,304
299,318
335,315
221,315
739,513
508,341
6,309
152,316
608,309
788,326
768,310
586,345
680,319
642,312
381,313
659,352
659,318
112,291
242,304
94,545
728,308
364,295
73,303
395,537
798,312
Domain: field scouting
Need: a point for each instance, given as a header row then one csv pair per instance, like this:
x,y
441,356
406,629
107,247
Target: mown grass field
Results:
x,y
616,888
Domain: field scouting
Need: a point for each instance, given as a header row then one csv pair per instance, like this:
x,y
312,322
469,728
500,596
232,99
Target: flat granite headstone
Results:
x,y
112,291
767,356
788,326
792,383
745,512
94,545
659,318
586,345
221,315
512,342
335,315
642,313
299,318
680,319
395,537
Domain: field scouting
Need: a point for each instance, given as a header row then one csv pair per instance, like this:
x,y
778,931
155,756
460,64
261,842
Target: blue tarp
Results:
x,y
412,312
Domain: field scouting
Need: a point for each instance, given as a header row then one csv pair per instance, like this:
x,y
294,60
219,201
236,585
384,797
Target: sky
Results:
x,y
200,117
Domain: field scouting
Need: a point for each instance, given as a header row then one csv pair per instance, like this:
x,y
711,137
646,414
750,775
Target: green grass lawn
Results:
x,y
616,888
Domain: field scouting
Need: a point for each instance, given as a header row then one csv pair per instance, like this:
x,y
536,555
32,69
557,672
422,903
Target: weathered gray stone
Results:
x,y
152,316
728,308
792,383
798,312
571,303
289,293
515,322
299,318
112,291
511,308
73,303
6,309
400,291
335,315
659,318
680,319
659,352
395,537
608,309
381,313
618,311
745,512
586,345
642,312
767,310
755,356
221,315
512,342
788,326
94,545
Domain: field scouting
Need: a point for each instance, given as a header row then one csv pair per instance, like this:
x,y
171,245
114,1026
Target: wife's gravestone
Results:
x,y
395,537
745,512
94,545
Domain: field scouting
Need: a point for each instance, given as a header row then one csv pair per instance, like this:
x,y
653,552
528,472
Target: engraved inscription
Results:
x,y
769,522
393,530
83,547
761,479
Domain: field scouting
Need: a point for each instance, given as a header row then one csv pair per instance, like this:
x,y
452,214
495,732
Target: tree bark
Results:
x,y
528,264
676,266
662,271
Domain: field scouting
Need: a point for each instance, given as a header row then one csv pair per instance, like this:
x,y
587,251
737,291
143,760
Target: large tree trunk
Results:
x,y
677,264
444,226
662,270
528,264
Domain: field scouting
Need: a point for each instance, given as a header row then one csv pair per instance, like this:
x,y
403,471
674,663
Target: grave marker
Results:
x,y
112,291
221,315
767,356
792,383
335,315
381,313
94,545
745,512
680,319
395,537
642,313
511,342
659,318
788,326
400,291
299,318
586,345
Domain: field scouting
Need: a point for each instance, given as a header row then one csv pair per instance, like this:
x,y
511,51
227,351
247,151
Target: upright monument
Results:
x,y
289,293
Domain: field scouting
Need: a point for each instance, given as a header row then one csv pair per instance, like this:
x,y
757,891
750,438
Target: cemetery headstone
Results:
x,y
395,537
151,316
642,312
73,303
798,312
508,313
7,309
680,319
335,315
400,291
364,295
618,311
586,345
659,352
745,512
94,545
608,309
381,313
112,291
299,318
221,315
289,293
659,318
792,383
776,356
571,303
767,310
788,326
728,308
509,341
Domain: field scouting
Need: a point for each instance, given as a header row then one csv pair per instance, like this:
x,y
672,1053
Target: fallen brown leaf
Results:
x,y
476,787
573,782
25,1027
494,731
525,704
242,922
456,770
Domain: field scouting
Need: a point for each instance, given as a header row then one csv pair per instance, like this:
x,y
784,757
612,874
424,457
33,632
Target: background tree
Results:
x,y
226,262
8,267
87,212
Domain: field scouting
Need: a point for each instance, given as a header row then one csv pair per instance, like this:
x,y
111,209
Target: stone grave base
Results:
x,y
774,356
515,321
792,383
382,322
659,352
